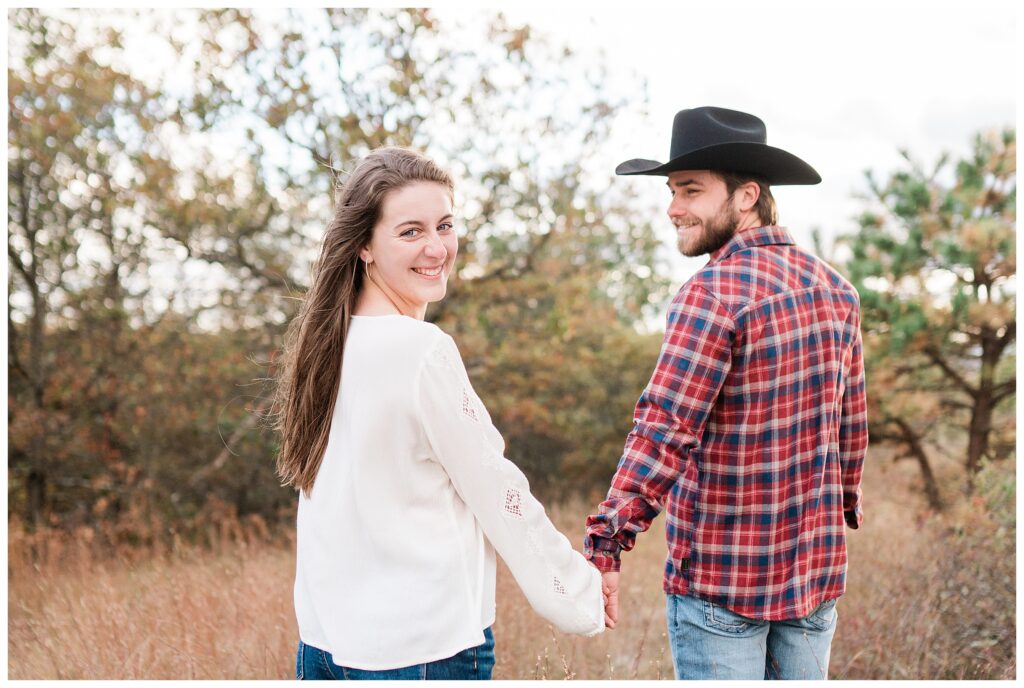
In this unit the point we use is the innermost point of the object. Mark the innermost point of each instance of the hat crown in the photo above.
(701, 127)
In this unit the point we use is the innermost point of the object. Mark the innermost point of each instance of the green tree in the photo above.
(160, 227)
(72, 258)
(536, 229)
(935, 263)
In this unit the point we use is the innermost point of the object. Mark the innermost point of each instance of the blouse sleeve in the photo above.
(559, 583)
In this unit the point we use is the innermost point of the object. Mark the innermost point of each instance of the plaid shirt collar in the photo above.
(754, 236)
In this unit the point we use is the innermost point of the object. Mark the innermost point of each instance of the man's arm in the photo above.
(668, 422)
(853, 431)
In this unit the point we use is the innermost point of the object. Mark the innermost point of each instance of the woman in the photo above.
(405, 492)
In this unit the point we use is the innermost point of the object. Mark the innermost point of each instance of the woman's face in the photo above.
(413, 247)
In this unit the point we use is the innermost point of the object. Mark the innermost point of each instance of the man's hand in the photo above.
(610, 590)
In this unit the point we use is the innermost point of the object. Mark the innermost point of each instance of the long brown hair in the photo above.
(307, 387)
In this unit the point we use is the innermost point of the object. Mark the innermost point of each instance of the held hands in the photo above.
(610, 590)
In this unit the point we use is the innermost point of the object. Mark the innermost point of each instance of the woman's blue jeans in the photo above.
(710, 642)
(476, 663)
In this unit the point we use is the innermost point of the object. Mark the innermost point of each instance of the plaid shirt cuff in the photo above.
(854, 517)
(605, 562)
(602, 553)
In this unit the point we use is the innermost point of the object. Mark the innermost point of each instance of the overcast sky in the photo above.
(843, 85)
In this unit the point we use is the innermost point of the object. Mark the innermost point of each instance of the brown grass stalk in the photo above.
(929, 596)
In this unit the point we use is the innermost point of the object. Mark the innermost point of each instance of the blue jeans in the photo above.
(476, 663)
(710, 642)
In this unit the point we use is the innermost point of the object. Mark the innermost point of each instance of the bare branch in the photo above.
(1003, 390)
(22, 270)
(247, 424)
(960, 382)
(1010, 334)
(13, 360)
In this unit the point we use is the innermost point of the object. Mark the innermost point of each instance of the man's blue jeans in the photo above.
(475, 663)
(711, 642)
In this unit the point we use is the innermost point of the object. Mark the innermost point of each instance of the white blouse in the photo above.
(395, 548)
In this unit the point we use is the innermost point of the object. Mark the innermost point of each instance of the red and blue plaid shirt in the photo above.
(752, 431)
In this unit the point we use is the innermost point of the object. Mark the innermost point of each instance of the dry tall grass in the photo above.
(928, 597)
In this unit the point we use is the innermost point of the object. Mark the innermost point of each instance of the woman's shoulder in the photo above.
(400, 332)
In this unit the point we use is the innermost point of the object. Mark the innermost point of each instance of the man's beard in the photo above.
(716, 232)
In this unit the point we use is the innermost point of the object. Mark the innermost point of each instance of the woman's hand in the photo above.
(610, 591)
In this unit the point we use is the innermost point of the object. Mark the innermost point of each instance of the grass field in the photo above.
(928, 597)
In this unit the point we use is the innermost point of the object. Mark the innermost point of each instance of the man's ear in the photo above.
(747, 195)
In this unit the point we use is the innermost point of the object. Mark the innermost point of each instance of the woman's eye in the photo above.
(411, 232)
(445, 227)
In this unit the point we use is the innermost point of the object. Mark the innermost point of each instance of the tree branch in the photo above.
(934, 355)
(247, 424)
(23, 193)
(1003, 390)
(510, 266)
(953, 403)
(1010, 334)
(13, 360)
(22, 270)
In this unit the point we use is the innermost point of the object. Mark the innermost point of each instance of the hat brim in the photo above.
(774, 165)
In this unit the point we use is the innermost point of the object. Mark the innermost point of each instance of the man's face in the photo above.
(702, 210)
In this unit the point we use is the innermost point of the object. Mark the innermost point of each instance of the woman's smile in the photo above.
(430, 273)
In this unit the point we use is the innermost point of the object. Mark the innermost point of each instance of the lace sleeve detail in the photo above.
(513, 503)
(559, 583)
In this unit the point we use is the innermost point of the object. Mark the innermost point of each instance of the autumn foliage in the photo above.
(162, 217)
(154, 267)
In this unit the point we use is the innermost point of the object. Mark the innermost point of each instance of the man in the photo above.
(753, 428)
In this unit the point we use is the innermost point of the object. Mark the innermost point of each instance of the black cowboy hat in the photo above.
(713, 138)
